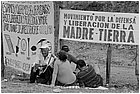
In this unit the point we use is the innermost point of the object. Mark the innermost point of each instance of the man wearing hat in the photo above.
(43, 66)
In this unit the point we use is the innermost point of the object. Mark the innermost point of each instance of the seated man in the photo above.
(87, 76)
(62, 74)
(70, 58)
(43, 67)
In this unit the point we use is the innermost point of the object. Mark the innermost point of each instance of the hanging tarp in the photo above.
(24, 24)
(99, 27)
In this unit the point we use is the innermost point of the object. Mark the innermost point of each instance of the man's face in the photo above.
(66, 50)
(45, 51)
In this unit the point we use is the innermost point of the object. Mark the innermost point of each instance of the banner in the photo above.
(99, 27)
(24, 24)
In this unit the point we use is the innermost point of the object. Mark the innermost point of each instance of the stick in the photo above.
(108, 63)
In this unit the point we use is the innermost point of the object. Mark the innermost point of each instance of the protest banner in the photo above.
(24, 24)
(99, 27)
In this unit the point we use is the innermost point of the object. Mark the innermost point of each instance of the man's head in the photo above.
(45, 50)
(65, 48)
(62, 56)
(81, 63)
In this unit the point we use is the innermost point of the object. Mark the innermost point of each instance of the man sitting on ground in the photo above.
(62, 74)
(88, 77)
(42, 69)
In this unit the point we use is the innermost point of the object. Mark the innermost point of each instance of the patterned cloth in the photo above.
(87, 77)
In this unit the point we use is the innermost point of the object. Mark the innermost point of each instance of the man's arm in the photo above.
(81, 83)
(53, 59)
(96, 68)
(71, 58)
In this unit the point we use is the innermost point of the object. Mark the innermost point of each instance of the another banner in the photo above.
(99, 27)
(24, 24)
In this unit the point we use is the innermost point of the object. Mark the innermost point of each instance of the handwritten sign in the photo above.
(24, 23)
(99, 27)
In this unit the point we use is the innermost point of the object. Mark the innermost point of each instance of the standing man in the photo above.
(43, 66)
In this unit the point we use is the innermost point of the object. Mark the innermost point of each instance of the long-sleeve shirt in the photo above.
(49, 60)
(88, 77)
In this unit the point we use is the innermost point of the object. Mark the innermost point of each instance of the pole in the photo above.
(2, 58)
(2, 52)
(56, 26)
(137, 65)
(108, 63)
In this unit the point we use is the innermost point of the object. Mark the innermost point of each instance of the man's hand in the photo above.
(35, 67)
(52, 85)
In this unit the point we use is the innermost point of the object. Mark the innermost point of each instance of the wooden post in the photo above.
(61, 43)
(2, 58)
(2, 52)
(108, 63)
(137, 65)
(56, 26)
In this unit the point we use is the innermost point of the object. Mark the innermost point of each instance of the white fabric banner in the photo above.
(99, 27)
(24, 24)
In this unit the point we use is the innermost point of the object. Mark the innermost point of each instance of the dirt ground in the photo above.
(122, 80)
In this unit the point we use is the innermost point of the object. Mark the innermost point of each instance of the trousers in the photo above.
(43, 78)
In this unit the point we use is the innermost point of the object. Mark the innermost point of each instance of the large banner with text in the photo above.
(24, 24)
(99, 27)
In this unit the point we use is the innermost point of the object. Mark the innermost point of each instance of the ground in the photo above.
(122, 80)
(122, 73)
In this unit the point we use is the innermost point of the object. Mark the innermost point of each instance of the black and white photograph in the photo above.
(69, 46)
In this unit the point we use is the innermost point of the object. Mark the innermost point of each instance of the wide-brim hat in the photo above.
(44, 46)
